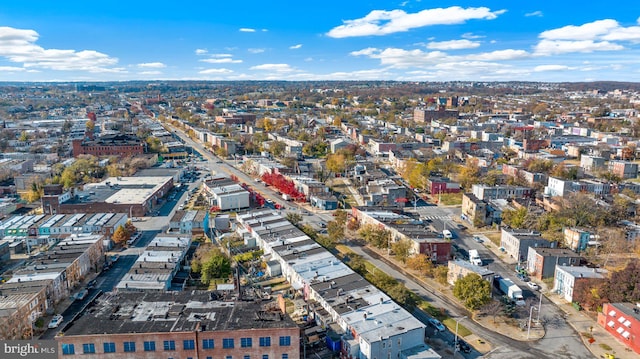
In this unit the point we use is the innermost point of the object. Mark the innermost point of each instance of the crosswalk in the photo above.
(445, 217)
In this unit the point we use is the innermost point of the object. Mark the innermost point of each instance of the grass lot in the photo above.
(494, 238)
(451, 199)
(451, 324)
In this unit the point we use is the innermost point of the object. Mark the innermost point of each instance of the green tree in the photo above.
(216, 266)
(335, 230)
(375, 236)
(473, 291)
(515, 218)
(402, 249)
(402, 295)
(294, 218)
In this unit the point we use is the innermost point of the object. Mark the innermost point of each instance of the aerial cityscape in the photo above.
(389, 180)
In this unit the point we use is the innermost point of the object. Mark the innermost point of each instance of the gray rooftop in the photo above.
(174, 312)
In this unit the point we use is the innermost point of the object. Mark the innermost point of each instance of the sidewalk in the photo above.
(585, 324)
(500, 326)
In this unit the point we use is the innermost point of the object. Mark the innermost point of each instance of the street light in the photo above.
(455, 341)
(529, 326)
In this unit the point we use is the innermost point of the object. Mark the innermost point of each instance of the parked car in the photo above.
(55, 322)
(523, 277)
(437, 324)
(478, 239)
(81, 294)
(533, 285)
(92, 283)
(462, 346)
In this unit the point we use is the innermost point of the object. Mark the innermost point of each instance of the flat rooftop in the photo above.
(174, 312)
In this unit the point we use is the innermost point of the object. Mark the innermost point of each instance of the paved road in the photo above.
(561, 340)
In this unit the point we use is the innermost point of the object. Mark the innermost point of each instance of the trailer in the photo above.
(512, 291)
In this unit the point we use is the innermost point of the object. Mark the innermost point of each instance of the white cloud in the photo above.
(256, 51)
(246, 29)
(215, 71)
(453, 45)
(273, 67)
(152, 65)
(18, 45)
(631, 34)
(400, 58)
(555, 47)
(542, 68)
(201, 51)
(534, 13)
(11, 69)
(294, 47)
(150, 73)
(588, 31)
(382, 22)
(471, 36)
(223, 60)
(500, 55)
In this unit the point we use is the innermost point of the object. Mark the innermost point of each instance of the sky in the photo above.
(549, 41)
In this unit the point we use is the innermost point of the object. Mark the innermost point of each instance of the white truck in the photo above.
(512, 291)
(474, 257)
(286, 197)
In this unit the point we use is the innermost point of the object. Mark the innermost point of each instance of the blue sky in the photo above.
(320, 40)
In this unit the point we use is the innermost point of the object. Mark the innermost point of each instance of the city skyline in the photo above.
(379, 40)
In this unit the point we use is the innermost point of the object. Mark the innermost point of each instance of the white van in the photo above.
(447, 234)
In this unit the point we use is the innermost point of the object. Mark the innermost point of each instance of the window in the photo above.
(188, 344)
(209, 357)
(109, 347)
(207, 344)
(68, 349)
(169, 345)
(228, 357)
(265, 356)
(285, 341)
(129, 346)
(246, 342)
(227, 343)
(247, 357)
(88, 348)
(265, 341)
(149, 346)
(285, 356)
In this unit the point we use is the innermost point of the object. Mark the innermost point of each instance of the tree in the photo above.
(469, 174)
(402, 295)
(402, 249)
(210, 263)
(421, 263)
(335, 230)
(473, 291)
(340, 216)
(356, 262)
(492, 308)
(375, 236)
(294, 218)
(440, 274)
(216, 266)
(120, 236)
(336, 162)
(515, 218)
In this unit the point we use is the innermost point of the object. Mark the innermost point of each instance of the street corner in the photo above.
(480, 345)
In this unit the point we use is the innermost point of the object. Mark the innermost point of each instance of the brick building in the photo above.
(622, 320)
(120, 145)
(181, 325)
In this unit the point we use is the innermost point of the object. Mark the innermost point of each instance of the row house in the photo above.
(485, 192)
(367, 320)
(459, 269)
(516, 242)
(622, 321)
(574, 283)
(542, 262)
